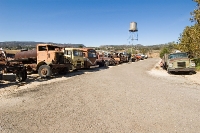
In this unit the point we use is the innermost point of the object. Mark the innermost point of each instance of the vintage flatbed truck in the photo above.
(46, 59)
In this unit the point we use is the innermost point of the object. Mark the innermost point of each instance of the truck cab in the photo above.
(90, 58)
(75, 57)
(179, 62)
(46, 59)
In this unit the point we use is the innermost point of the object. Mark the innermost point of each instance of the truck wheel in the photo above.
(191, 73)
(106, 64)
(113, 63)
(24, 77)
(21, 76)
(102, 63)
(44, 71)
(169, 72)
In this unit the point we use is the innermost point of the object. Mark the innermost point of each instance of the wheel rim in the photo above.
(19, 77)
(44, 71)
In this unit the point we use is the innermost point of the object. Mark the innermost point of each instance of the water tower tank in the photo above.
(133, 27)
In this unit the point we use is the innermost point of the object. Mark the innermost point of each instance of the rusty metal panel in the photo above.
(26, 54)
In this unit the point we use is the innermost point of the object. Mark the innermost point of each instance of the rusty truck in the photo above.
(104, 59)
(90, 57)
(46, 59)
(12, 66)
(178, 62)
(75, 57)
(119, 57)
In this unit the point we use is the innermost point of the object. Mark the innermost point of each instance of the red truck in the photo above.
(90, 57)
(104, 59)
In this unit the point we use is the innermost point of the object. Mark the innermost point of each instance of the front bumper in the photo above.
(94, 66)
(181, 69)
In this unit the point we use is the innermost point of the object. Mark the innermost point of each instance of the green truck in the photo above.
(178, 62)
(75, 57)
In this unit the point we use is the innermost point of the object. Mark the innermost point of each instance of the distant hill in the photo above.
(137, 46)
(32, 44)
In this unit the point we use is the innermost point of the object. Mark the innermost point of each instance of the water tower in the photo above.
(133, 27)
(132, 30)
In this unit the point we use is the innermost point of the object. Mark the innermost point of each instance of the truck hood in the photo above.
(179, 59)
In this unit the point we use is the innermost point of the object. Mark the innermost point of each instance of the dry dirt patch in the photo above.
(33, 81)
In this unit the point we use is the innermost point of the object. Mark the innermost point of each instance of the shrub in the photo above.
(197, 63)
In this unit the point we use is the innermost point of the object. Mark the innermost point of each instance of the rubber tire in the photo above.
(191, 73)
(46, 69)
(24, 75)
(169, 72)
(106, 64)
(21, 76)
(113, 63)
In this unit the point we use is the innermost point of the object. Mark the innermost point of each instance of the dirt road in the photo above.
(121, 99)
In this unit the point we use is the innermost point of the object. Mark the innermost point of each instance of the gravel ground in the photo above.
(126, 98)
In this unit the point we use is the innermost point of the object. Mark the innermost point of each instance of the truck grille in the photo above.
(181, 64)
(78, 62)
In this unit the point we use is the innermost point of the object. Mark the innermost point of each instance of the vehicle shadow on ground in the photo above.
(34, 77)
(182, 73)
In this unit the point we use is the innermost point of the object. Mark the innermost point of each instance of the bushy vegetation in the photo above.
(197, 62)
(189, 40)
(168, 48)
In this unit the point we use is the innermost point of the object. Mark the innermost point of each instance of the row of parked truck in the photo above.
(48, 59)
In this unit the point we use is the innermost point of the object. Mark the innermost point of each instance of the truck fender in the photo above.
(40, 64)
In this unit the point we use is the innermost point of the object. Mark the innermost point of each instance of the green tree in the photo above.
(196, 13)
(164, 50)
(189, 40)
(144, 50)
(80, 46)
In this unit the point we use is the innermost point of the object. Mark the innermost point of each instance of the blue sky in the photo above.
(94, 22)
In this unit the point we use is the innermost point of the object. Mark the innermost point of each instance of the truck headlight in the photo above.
(170, 64)
(192, 64)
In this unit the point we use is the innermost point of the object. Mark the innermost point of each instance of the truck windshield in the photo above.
(52, 47)
(77, 53)
(92, 54)
(178, 55)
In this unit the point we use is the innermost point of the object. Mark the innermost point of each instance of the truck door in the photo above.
(42, 54)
